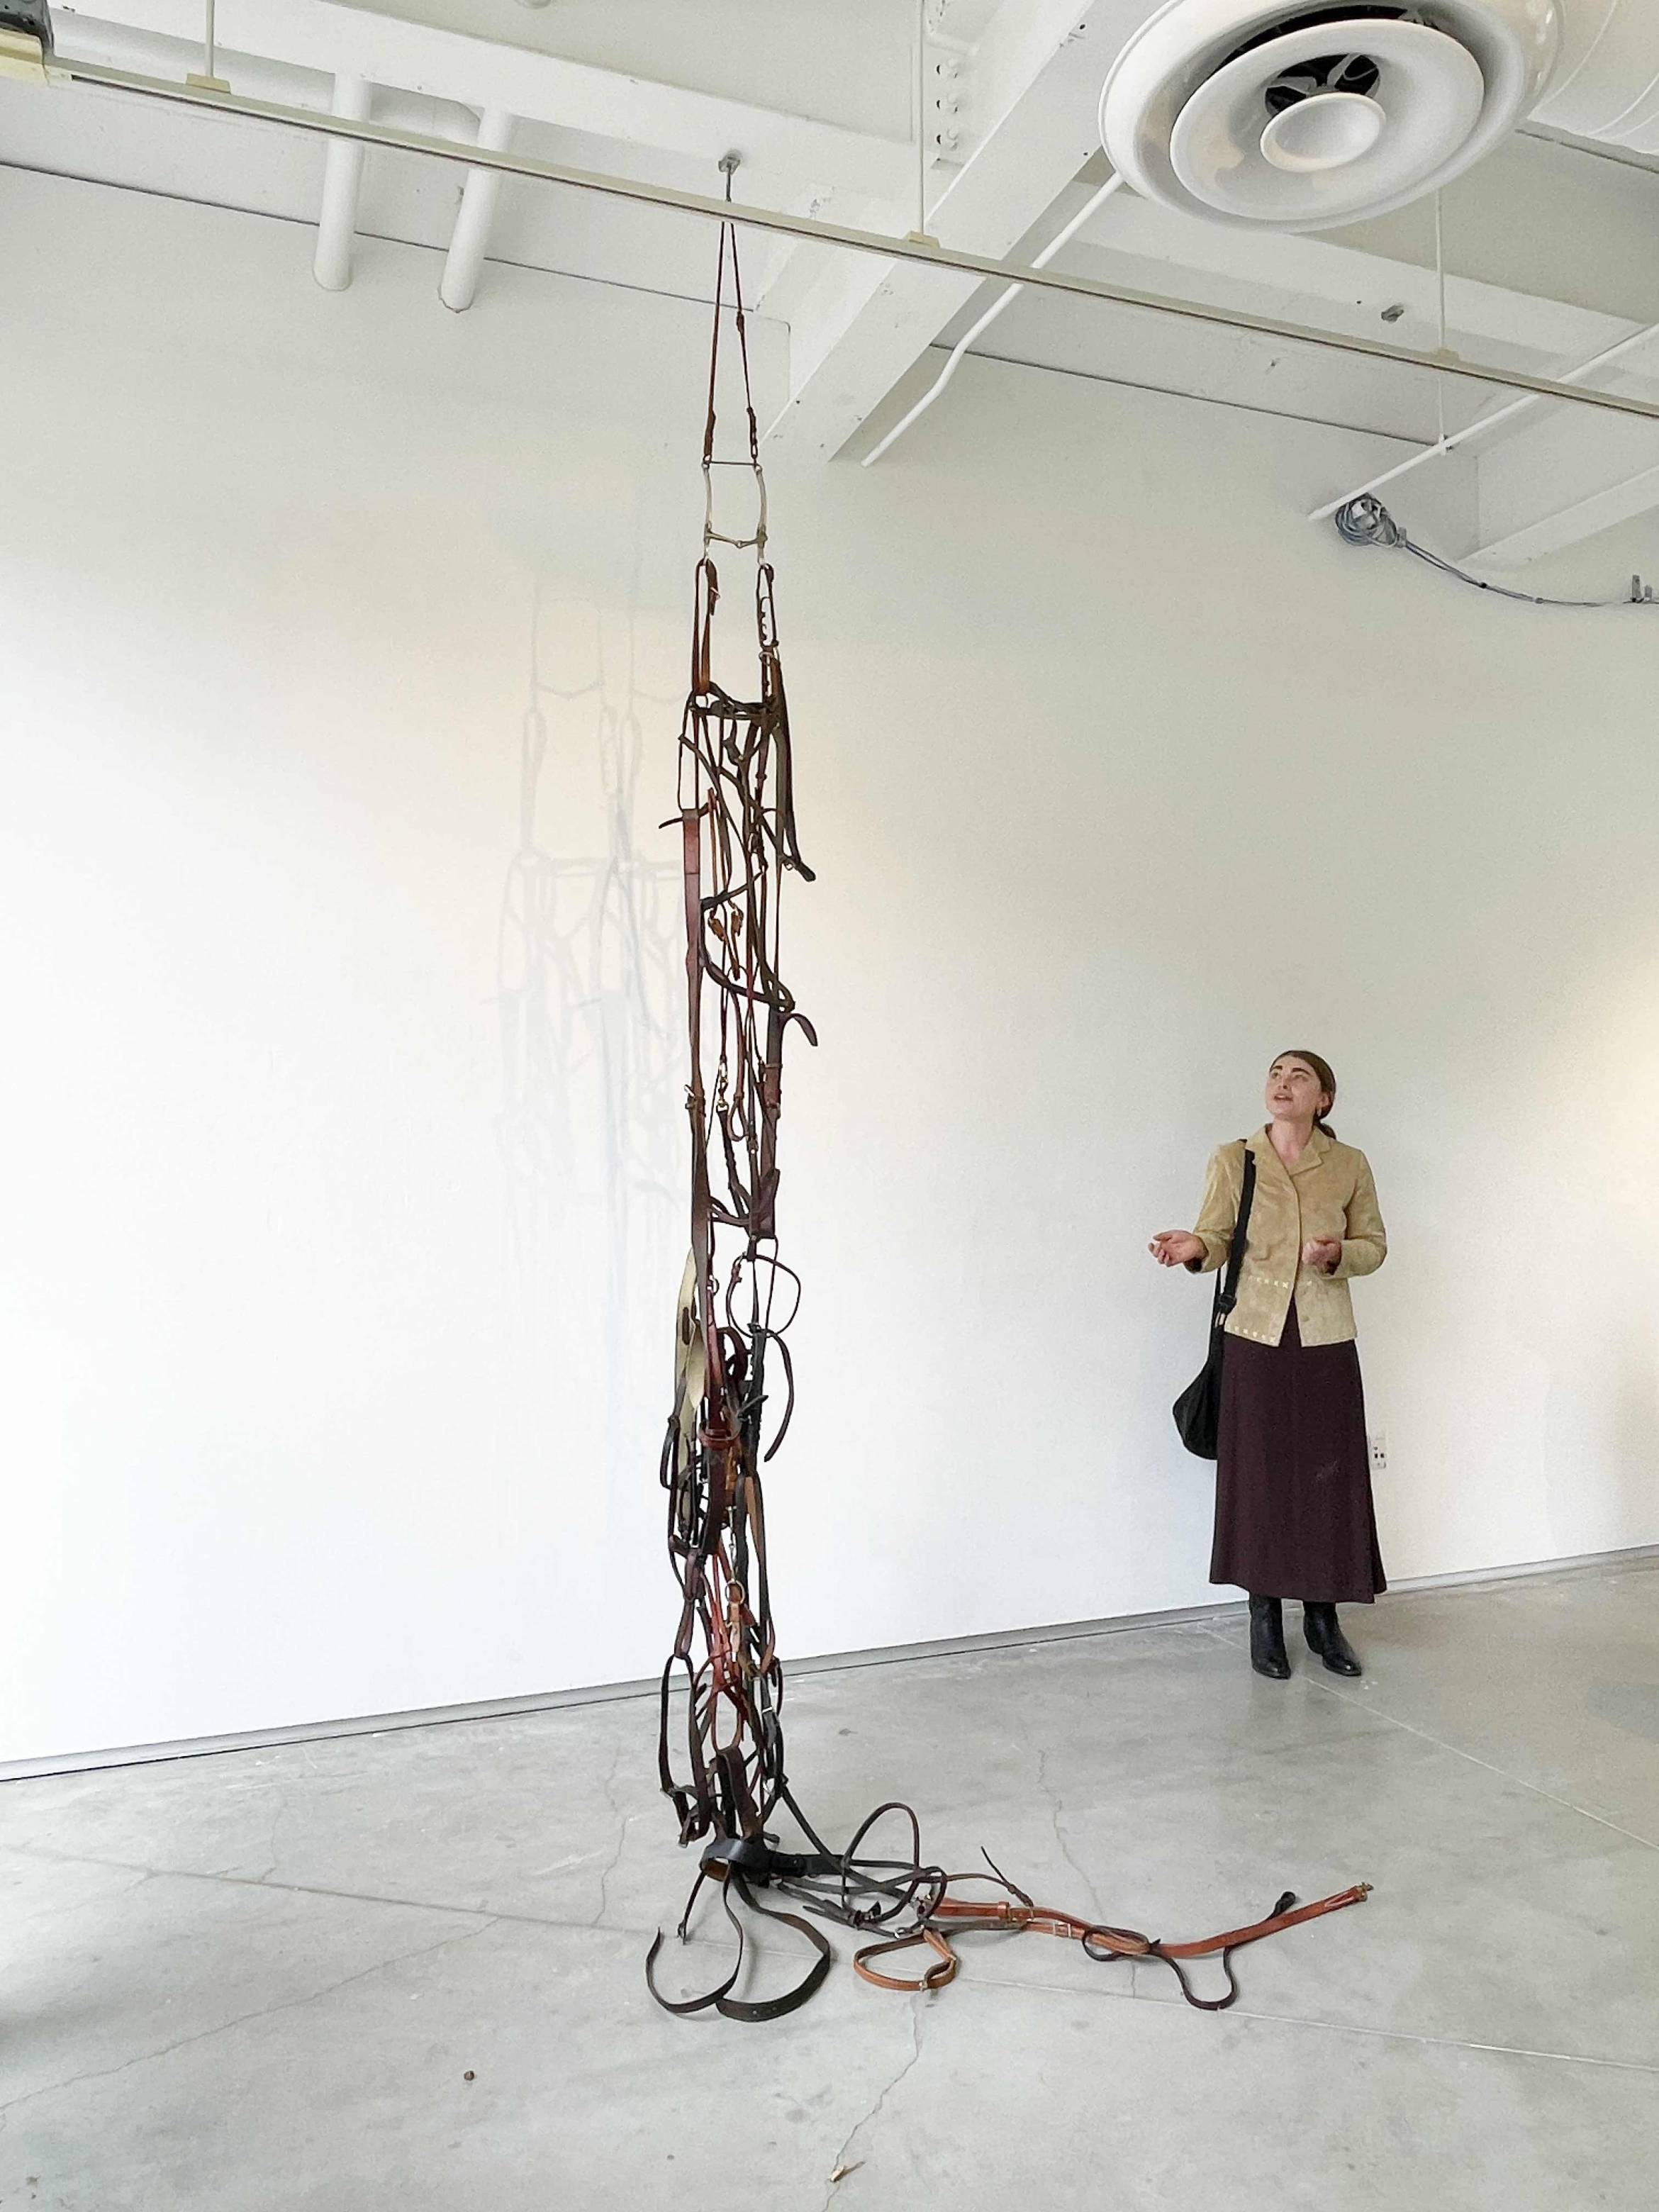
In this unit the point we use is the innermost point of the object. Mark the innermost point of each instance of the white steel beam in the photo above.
(1036, 76)
(1571, 525)
(920, 253)
(1561, 483)
(338, 40)
(1484, 425)
(1291, 272)
(998, 307)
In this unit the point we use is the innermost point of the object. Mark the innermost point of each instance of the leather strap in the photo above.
(965, 1915)
(722, 1688)
(1226, 1289)
(720, 1997)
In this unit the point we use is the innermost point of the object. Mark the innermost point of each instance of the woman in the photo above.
(1293, 1513)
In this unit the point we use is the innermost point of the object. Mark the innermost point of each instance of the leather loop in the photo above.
(943, 1970)
(738, 842)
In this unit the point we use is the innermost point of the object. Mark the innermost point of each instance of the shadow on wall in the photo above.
(589, 961)
(1591, 1252)
(1599, 1423)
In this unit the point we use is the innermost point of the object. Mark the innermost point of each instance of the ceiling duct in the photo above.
(1606, 84)
(1268, 115)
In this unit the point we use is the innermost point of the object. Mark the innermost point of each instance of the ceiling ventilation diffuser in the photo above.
(1268, 115)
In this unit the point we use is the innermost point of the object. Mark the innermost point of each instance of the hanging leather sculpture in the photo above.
(738, 842)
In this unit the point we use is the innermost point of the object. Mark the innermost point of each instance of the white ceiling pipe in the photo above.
(336, 224)
(1002, 300)
(1443, 446)
(463, 267)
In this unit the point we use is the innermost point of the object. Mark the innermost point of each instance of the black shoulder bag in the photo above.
(1198, 1409)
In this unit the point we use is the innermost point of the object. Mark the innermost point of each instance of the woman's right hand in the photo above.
(1178, 1248)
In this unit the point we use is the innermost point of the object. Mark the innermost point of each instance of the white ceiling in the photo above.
(1550, 248)
(846, 63)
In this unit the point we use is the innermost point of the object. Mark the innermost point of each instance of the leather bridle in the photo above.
(738, 841)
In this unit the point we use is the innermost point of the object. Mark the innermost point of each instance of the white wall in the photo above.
(342, 1212)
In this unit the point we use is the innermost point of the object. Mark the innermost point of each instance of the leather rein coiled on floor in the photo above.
(738, 841)
(963, 1916)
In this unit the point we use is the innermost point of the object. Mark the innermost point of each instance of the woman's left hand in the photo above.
(1321, 1252)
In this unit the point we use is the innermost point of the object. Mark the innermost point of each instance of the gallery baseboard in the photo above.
(602, 1693)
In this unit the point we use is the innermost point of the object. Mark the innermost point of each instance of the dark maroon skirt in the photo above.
(1293, 1511)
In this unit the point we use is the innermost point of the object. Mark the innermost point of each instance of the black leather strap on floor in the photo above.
(720, 1997)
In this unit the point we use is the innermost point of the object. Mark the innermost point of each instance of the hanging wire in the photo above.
(730, 164)
(921, 118)
(1364, 519)
(1366, 522)
(1440, 287)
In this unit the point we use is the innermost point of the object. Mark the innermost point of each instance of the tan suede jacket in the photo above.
(1328, 1193)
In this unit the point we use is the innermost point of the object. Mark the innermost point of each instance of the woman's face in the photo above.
(1293, 1093)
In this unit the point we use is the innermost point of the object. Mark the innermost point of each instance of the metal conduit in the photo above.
(1444, 445)
(1002, 300)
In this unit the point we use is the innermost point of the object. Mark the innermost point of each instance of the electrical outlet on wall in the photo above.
(1378, 1440)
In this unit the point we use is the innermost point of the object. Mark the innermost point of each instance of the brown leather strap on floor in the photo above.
(944, 1969)
(1017, 1914)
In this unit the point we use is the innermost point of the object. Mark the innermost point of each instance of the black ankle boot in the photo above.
(1326, 1640)
(1267, 1639)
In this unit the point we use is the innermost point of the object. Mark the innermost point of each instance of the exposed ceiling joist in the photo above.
(921, 253)
(1348, 287)
(336, 40)
(1029, 72)
(1572, 524)
(1310, 280)
(1036, 80)
(1560, 482)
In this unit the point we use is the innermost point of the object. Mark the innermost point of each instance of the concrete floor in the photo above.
(261, 1978)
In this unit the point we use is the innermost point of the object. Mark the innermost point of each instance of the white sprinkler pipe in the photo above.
(1002, 300)
(1441, 446)
(336, 222)
(459, 286)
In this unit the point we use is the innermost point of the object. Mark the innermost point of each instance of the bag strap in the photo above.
(1226, 1289)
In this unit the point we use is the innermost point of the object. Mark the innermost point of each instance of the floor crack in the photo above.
(324, 1889)
(276, 1819)
(842, 2167)
(260, 2012)
(1056, 1808)
(623, 1822)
